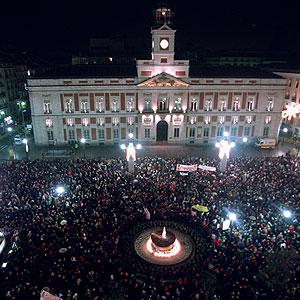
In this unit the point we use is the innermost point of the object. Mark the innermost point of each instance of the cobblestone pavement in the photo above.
(114, 151)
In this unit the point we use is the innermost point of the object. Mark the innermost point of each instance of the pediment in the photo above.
(163, 80)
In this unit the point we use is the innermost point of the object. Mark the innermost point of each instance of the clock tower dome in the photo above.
(163, 37)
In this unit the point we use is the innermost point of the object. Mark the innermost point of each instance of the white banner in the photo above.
(47, 296)
(207, 168)
(186, 168)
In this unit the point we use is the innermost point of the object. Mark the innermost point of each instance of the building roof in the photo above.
(90, 71)
(198, 71)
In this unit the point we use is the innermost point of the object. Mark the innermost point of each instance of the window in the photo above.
(84, 106)
(290, 82)
(49, 122)
(266, 132)
(247, 131)
(177, 103)
(116, 133)
(115, 121)
(233, 131)
(235, 119)
(71, 134)
(192, 132)
(221, 119)
(297, 83)
(206, 132)
(101, 134)
(207, 119)
(147, 133)
(268, 119)
(130, 130)
(50, 135)
(163, 60)
(250, 104)
(148, 103)
(236, 104)
(100, 121)
(130, 120)
(194, 106)
(222, 104)
(162, 103)
(193, 120)
(100, 104)
(115, 104)
(86, 134)
(270, 104)
(69, 106)
(208, 104)
(130, 102)
(70, 122)
(85, 121)
(248, 119)
(220, 131)
(47, 107)
(176, 132)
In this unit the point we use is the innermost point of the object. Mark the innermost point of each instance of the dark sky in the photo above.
(214, 24)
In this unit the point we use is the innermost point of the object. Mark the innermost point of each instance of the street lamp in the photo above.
(130, 152)
(25, 142)
(60, 190)
(285, 130)
(245, 139)
(232, 216)
(224, 151)
(9, 129)
(287, 213)
(83, 141)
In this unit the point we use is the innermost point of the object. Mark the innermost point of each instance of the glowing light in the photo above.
(285, 130)
(164, 233)
(83, 140)
(224, 147)
(9, 129)
(60, 190)
(287, 213)
(123, 147)
(25, 141)
(292, 109)
(164, 254)
(130, 152)
(245, 140)
(226, 133)
(232, 216)
(130, 135)
(138, 146)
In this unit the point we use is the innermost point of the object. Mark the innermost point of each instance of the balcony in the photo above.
(48, 112)
(69, 111)
(85, 111)
(148, 111)
(100, 111)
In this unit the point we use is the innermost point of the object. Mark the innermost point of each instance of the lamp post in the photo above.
(285, 130)
(130, 152)
(83, 141)
(224, 151)
(25, 142)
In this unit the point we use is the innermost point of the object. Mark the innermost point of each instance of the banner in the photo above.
(200, 208)
(186, 168)
(207, 168)
(47, 296)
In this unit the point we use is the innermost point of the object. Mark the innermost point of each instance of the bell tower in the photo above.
(163, 36)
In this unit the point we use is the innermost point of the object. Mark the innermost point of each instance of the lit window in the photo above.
(208, 104)
(147, 104)
(207, 119)
(248, 119)
(177, 103)
(222, 104)
(193, 120)
(268, 119)
(130, 104)
(221, 119)
(236, 104)
(85, 121)
(100, 121)
(130, 120)
(100, 104)
(49, 122)
(235, 119)
(47, 107)
(69, 106)
(270, 104)
(194, 104)
(162, 103)
(84, 106)
(115, 121)
(115, 104)
(250, 104)
(70, 122)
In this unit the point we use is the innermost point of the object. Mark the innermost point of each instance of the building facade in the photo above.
(162, 99)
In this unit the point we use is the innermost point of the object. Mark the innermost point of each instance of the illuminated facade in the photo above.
(159, 100)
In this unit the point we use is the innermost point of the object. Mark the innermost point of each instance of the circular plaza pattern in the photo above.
(183, 250)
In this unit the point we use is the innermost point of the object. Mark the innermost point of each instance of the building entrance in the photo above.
(162, 131)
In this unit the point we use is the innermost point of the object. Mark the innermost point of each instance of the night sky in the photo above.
(219, 24)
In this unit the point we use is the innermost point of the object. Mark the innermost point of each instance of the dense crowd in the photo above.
(72, 242)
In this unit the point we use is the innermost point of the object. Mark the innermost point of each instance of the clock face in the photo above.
(164, 44)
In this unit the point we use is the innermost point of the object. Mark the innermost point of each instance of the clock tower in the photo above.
(163, 37)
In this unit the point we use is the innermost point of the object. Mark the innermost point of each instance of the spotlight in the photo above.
(123, 146)
(138, 146)
(232, 216)
(60, 190)
(287, 213)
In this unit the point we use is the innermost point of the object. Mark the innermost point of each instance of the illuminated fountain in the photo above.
(163, 244)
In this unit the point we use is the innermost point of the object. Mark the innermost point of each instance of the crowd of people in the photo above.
(73, 242)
